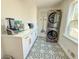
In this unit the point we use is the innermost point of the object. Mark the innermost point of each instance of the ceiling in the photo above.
(47, 3)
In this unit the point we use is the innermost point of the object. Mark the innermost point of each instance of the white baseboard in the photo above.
(65, 50)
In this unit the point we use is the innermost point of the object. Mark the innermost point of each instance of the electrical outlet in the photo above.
(71, 53)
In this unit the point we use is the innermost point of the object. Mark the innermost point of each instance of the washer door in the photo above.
(52, 35)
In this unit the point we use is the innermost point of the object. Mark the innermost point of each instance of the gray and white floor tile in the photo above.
(46, 50)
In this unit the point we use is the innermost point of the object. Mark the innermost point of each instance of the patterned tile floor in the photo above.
(46, 50)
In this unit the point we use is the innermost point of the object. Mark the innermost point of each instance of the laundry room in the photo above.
(39, 29)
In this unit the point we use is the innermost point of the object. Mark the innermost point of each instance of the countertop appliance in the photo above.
(31, 26)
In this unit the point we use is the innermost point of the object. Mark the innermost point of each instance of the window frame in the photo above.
(70, 16)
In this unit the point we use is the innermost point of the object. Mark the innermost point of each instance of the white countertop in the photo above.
(20, 34)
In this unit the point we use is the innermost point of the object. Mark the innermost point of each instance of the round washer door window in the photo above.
(52, 34)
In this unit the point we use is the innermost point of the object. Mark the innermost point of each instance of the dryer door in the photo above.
(52, 35)
(51, 17)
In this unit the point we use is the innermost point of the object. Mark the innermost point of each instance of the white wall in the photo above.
(68, 45)
(23, 9)
(40, 15)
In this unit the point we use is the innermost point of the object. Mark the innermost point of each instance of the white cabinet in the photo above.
(26, 41)
(17, 46)
(33, 36)
(12, 46)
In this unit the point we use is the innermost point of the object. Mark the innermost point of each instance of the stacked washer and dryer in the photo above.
(53, 25)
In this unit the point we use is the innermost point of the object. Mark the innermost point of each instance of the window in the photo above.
(72, 23)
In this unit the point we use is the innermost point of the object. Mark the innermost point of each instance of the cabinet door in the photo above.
(33, 36)
(26, 45)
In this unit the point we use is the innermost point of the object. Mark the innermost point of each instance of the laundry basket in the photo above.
(8, 57)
